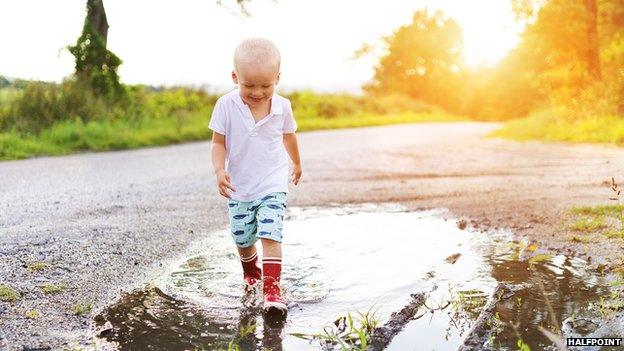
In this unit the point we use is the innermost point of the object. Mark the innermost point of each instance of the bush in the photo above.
(53, 119)
(307, 104)
(41, 105)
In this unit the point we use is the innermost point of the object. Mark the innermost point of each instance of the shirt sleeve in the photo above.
(217, 121)
(290, 125)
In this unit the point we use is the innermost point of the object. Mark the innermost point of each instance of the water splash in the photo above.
(339, 260)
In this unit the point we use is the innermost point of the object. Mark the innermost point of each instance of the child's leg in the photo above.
(270, 223)
(270, 248)
(249, 260)
(271, 274)
(271, 262)
(243, 228)
(246, 252)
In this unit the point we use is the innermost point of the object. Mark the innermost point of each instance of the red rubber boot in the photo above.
(251, 272)
(272, 268)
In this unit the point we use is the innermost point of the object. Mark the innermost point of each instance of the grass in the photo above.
(543, 126)
(52, 289)
(369, 120)
(82, 308)
(103, 135)
(44, 118)
(614, 234)
(599, 210)
(8, 294)
(347, 333)
(605, 219)
(32, 314)
(613, 303)
(37, 266)
(582, 239)
(71, 136)
(589, 224)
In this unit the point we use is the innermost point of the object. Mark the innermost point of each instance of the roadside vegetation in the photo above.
(574, 89)
(8, 294)
(52, 119)
(591, 222)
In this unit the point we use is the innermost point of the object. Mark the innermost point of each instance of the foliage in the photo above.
(307, 104)
(41, 105)
(52, 119)
(552, 125)
(347, 333)
(96, 64)
(4, 82)
(423, 61)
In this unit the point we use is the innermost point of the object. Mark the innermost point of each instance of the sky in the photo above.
(190, 42)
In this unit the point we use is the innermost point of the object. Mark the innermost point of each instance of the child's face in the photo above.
(256, 82)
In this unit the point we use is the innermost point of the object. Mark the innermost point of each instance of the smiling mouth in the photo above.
(256, 99)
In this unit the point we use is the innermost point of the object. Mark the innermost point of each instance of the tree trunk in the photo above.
(97, 17)
(593, 44)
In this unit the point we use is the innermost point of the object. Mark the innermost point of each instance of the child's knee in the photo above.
(270, 242)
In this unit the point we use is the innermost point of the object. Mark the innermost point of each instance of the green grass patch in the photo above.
(583, 239)
(42, 118)
(589, 224)
(547, 126)
(606, 219)
(600, 210)
(347, 332)
(614, 234)
(37, 266)
(103, 135)
(369, 120)
(52, 289)
(72, 136)
(8, 294)
(82, 308)
(32, 314)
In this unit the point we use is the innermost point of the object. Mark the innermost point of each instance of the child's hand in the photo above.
(296, 173)
(224, 183)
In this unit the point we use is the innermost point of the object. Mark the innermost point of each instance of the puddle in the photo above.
(345, 260)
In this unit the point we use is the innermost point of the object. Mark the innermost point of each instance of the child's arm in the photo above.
(218, 163)
(290, 143)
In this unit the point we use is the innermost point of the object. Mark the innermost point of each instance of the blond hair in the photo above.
(258, 51)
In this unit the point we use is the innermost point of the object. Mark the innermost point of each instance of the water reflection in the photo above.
(151, 320)
(342, 261)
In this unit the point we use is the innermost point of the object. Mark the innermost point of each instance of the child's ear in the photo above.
(278, 77)
(234, 77)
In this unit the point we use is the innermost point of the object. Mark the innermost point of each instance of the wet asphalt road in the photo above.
(105, 222)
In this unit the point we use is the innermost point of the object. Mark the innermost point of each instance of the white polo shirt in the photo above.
(256, 159)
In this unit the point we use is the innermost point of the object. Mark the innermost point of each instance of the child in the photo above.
(254, 129)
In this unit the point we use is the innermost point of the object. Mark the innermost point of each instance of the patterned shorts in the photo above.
(258, 219)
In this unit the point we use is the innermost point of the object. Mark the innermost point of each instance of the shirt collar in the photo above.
(276, 107)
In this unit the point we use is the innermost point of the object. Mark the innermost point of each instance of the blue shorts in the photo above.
(258, 219)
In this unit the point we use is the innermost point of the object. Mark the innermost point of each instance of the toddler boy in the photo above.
(253, 136)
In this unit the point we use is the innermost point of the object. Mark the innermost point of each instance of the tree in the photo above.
(4, 82)
(94, 62)
(593, 44)
(423, 61)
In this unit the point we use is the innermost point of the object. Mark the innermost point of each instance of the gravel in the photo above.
(106, 223)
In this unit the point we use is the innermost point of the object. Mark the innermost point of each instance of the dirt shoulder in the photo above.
(104, 223)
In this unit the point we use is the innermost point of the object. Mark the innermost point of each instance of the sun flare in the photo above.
(488, 27)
